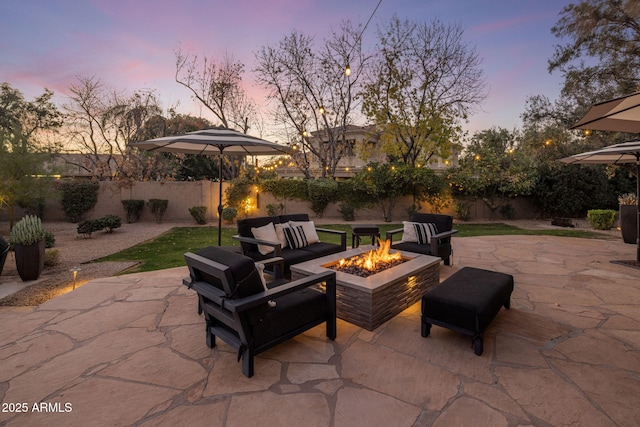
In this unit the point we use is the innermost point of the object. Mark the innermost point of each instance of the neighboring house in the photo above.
(352, 163)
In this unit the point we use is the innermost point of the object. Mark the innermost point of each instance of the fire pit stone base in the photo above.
(369, 302)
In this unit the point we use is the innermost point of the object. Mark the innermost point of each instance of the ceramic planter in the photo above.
(30, 260)
(629, 223)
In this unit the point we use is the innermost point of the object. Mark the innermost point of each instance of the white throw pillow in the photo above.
(266, 233)
(309, 229)
(409, 232)
(280, 233)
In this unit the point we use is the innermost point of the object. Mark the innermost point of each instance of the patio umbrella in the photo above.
(617, 115)
(625, 153)
(214, 141)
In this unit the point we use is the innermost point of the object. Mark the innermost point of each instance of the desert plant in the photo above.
(78, 197)
(51, 257)
(229, 213)
(133, 209)
(49, 239)
(158, 207)
(601, 219)
(628, 199)
(199, 214)
(27, 231)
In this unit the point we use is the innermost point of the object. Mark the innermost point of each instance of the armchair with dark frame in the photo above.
(439, 242)
(251, 315)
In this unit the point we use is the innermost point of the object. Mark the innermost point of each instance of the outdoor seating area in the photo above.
(264, 237)
(129, 350)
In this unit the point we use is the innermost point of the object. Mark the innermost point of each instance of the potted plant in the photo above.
(628, 215)
(28, 240)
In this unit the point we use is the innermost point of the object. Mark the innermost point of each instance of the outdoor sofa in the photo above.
(260, 239)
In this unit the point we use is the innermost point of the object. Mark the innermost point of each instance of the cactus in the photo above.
(27, 231)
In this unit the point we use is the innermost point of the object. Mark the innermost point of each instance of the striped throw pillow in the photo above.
(295, 237)
(424, 231)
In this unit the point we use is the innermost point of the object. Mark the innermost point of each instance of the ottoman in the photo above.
(467, 302)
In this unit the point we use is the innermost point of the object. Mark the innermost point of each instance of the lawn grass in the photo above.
(166, 251)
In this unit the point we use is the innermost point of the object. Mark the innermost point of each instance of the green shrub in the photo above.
(158, 207)
(51, 257)
(133, 209)
(321, 193)
(238, 192)
(462, 210)
(199, 214)
(347, 211)
(49, 239)
(107, 223)
(111, 222)
(601, 219)
(78, 197)
(273, 210)
(507, 211)
(89, 226)
(229, 213)
(27, 231)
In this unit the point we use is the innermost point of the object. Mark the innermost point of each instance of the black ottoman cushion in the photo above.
(467, 302)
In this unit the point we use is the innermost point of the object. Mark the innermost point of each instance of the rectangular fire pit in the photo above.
(371, 301)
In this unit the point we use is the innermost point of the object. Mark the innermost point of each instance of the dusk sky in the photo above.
(130, 44)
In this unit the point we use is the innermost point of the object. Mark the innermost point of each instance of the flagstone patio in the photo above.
(130, 350)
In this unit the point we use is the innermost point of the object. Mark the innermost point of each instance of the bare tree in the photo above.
(312, 93)
(423, 81)
(218, 86)
(101, 122)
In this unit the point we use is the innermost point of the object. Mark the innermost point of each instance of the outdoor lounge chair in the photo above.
(438, 243)
(252, 316)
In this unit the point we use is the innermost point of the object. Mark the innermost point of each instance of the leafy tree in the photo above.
(493, 168)
(601, 58)
(384, 183)
(24, 128)
(421, 83)
(312, 94)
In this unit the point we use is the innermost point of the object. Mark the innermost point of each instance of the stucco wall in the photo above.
(184, 195)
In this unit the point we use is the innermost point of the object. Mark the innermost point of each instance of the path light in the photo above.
(75, 275)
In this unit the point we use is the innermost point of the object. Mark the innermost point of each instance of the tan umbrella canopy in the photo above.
(625, 153)
(617, 115)
(214, 141)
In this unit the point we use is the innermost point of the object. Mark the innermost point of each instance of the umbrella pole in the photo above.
(638, 209)
(220, 202)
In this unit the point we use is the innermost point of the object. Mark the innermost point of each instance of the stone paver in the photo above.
(130, 350)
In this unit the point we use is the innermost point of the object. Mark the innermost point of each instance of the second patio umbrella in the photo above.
(625, 153)
(616, 115)
(216, 141)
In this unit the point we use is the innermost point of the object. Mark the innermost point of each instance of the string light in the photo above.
(347, 70)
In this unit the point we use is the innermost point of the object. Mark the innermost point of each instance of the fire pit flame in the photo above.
(371, 262)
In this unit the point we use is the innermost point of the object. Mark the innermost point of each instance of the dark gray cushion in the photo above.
(246, 278)
(469, 299)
